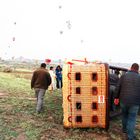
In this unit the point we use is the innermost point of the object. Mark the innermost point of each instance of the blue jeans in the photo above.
(129, 113)
(39, 93)
(58, 83)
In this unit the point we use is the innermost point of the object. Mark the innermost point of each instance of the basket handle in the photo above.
(69, 98)
(68, 75)
(70, 118)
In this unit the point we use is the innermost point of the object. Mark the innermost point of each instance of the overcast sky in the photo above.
(106, 30)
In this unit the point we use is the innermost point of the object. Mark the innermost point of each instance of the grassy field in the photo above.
(19, 121)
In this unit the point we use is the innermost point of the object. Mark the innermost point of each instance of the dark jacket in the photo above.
(58, 73)
(114, 78)
(41, 79)
(128, 88)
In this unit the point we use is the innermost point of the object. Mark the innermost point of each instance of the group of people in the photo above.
(43, 79)
(56, 77)
(126, 92)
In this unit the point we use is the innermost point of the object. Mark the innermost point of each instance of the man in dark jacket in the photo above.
(128, 90)
(40, 81)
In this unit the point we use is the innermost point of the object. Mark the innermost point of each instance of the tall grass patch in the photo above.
(15, 86)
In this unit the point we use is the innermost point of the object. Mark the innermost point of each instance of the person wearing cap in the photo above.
(128, 93)
(40, 81)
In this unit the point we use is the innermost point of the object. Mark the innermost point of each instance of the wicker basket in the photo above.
(85, 93)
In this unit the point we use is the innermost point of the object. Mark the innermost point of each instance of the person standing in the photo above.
(114, 78)
(53, 77)
(40, 81)
(58, 72)
(128, 92)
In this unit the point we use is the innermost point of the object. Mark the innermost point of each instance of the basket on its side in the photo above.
(85, 95)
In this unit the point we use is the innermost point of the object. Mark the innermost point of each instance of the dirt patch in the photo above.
(3, 94)
(25, 98)
(21, 136)
(6, 95)
(53, 134)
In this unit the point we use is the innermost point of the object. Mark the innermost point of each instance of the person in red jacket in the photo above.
(40, 81)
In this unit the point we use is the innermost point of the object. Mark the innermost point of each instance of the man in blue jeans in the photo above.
(40, 81)
(128, 91)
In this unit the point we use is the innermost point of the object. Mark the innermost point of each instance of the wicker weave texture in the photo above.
(84, 95)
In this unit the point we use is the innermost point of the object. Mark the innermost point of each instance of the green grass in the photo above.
(15, 86)
(18, 118)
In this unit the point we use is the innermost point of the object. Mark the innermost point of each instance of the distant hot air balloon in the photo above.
(68, 24)
(61, 32)
(13, 38)
(60, 6)
(48, 61)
